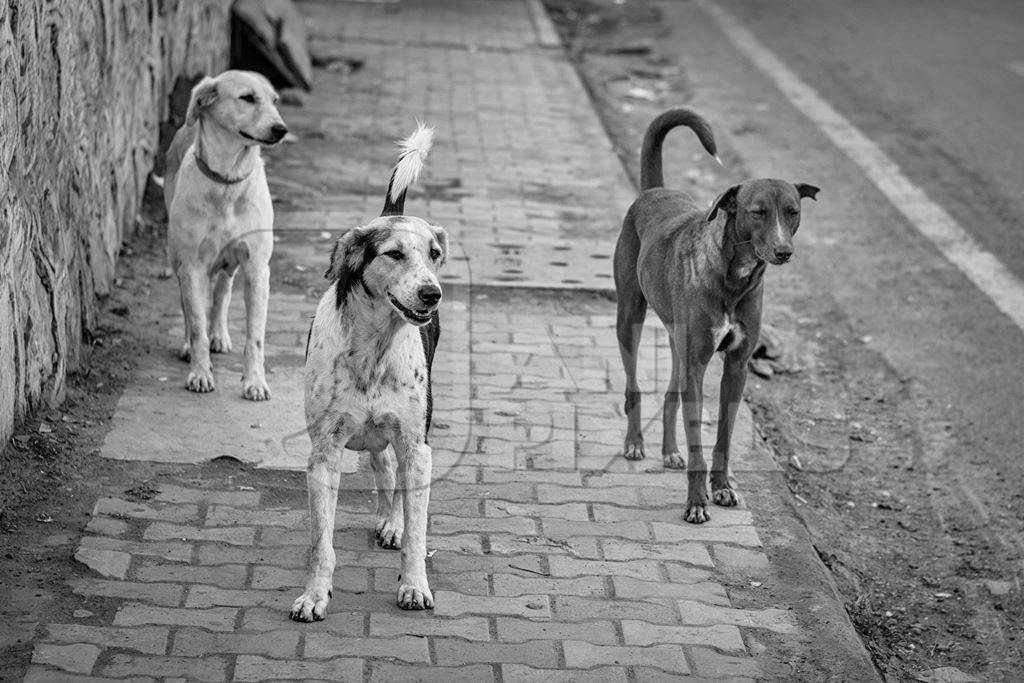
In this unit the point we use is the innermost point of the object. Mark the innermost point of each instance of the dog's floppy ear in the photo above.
(442, 239)
(726, 202)
(351, 253)
(203, 95)
(806, 190)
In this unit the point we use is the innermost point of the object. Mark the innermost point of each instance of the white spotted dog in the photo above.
(368, 362)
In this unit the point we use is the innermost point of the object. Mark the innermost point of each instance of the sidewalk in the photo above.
(552, 558)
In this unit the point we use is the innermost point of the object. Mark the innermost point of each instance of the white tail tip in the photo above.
(413, 154)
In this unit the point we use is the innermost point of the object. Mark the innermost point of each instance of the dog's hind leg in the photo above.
(257, 292)
(195, 296)
(390, 516)
(669, 446)
(220, 339)
(323, 476)
(629, 325)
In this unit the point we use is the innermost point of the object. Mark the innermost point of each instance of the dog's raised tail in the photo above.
(650, 154)
(414, 150)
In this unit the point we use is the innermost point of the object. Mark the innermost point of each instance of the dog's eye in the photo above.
(248, 97)
(395, 254)
(792, 211)
(760, 213)
(435, 254)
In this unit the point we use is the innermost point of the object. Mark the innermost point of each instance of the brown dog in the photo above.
(702, 273)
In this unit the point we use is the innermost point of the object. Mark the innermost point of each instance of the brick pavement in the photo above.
(551, 557)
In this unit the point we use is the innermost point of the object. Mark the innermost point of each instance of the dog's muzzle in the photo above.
(419, 316)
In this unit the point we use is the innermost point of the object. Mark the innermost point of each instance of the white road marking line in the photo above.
(982, 268)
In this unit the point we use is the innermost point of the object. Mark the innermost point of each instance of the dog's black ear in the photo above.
(806, 190)
(726, 202)
(442, 239)
(203, 95)
(351, 254)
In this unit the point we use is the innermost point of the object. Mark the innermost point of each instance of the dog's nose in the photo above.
(278, 131)
(783, 253)
(429, 294)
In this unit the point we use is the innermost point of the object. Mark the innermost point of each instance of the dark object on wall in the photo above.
(268, 36)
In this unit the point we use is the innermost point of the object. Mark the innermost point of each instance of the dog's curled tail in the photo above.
(414, 150)
(650, 154)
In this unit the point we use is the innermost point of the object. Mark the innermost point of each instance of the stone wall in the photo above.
(83, 88)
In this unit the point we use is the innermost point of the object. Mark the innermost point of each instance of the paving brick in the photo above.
(698, 614)
(721, 516)
(165, 512)
(178, 494)
(338, 620)
(520, 673)
(548, 477)
(512, 630)
(557, 528)
(578, 546)
(348, 579)
(456, 604)
(161, 531)
(707, 662)
(518, 492)
(705, 533)
(579, 608)
(387, 672)
(562, 565)
(168, 594)
(210, 596)
(146, 639)
(194, 642)
(225, 515)
(459, 507)
(447, 524)
(470, 628)
(455, 651)
(206, 669)
(514, 584)
(470, 583)
(227, 575)
(704, 591)
(693, 553)
(723, 637)
(551, 493)
(77, 658)
(44, 674)
(500, 508)
(731, 558)
(110, 564)
(442, 562)
(406, 648)
(170, 551)
(214, 619)
(584, 655)
(107, 526)
(675, 481)
(253, 668)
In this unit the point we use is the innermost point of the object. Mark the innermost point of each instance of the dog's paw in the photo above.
(255, 389)
(415, 595)
(725, 497)
(389, 534)
(634, 450)
(200, 381)
(312, 604)
(673, 461)
(220, 342)
(697, 513)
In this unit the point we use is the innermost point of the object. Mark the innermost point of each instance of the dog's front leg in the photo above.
(669, 446)
(323, 476)
(697, 466)
(734, 377)
(257, 291)
(414, 462)
(390, 516)
(195, 295)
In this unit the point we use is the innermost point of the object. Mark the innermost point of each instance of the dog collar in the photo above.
(213, 175)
